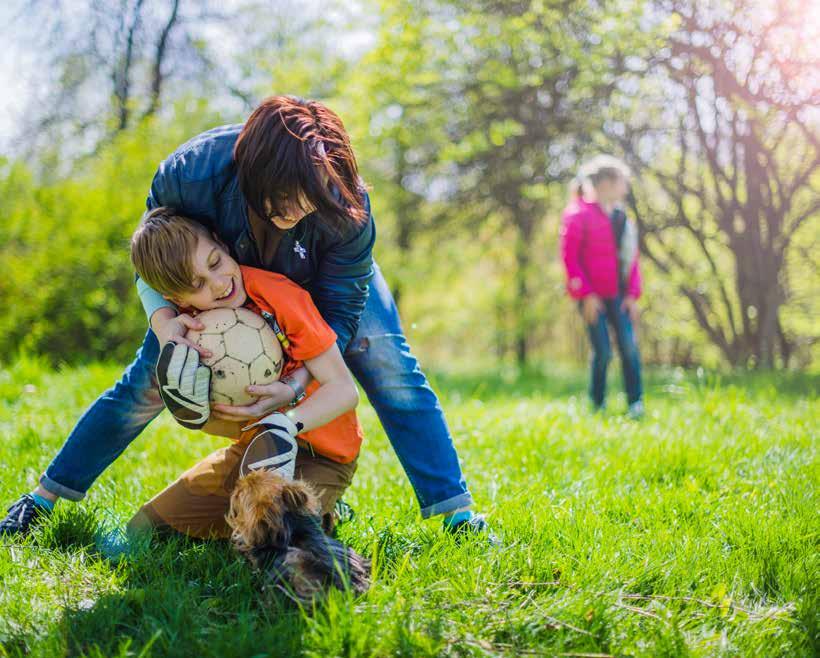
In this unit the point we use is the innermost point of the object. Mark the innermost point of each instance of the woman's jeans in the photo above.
(602, 353)
(378, 356)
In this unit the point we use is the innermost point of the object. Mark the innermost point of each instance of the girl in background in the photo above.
(599, 247)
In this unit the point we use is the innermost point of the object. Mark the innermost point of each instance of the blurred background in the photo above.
(468, 118)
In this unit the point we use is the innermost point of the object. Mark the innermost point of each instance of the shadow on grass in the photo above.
(563, 382)
(185, 598)
(180, 597)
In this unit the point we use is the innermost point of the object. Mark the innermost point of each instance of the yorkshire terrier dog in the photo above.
(277, 525)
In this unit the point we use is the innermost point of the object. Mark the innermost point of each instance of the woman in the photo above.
(599, 247)
(283, 193)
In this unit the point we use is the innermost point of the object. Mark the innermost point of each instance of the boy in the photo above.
(316, 440)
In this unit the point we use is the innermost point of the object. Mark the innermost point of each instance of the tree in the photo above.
(525, 85)
(100, 67)
(401, 130)
(733, 154)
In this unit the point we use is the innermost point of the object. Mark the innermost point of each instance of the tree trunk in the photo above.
(521, 304)
(159, 57)
(406, 217)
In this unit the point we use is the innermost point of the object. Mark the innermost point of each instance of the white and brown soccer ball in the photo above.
(245, 352)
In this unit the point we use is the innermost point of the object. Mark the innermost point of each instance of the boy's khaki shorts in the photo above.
(196, 504)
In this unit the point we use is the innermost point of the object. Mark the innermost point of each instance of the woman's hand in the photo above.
(271, 397)
(630, 307)
(591, 308)
(175, 327)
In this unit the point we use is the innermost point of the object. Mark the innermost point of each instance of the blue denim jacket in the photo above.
(199, 180)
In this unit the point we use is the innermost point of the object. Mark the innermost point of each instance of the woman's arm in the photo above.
(336, 394)
(342, 280)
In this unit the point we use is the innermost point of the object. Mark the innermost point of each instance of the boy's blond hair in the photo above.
(162, 250)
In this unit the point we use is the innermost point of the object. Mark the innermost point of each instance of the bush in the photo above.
(66, 280)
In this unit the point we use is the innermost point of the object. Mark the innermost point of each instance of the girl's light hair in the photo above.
(593, 171)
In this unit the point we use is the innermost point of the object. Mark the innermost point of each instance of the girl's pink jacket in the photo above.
(590, 254)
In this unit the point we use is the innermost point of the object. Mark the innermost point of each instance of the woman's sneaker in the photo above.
(469, 524)
(22, 516)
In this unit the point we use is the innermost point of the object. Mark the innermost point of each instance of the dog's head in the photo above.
(276, 525)
(259, 503)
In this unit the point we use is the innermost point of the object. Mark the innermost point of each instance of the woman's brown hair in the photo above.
(290, 147)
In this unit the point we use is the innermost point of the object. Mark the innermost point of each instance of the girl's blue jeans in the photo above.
(602, 353)
(379, 358)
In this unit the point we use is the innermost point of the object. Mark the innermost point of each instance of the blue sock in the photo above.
(457, 517)
(43, 502)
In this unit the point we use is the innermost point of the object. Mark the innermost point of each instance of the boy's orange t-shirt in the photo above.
(309, 336)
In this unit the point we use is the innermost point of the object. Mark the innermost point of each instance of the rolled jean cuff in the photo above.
(462, 500)
(60, 490)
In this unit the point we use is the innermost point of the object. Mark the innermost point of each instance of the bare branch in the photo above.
(122, 77)
(159, 57)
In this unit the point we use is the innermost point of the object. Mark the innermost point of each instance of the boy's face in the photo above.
(217, 279)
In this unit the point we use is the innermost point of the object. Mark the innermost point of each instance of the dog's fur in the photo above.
(276, 524)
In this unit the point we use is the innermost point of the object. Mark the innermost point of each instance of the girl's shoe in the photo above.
(636, 410)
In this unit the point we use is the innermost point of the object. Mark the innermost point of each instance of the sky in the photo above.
(21, 82)
(16, 78)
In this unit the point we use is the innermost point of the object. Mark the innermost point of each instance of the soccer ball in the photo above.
(245, 352)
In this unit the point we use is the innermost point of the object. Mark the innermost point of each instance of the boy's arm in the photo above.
(274, 447)
(152, 301)
(337, 393)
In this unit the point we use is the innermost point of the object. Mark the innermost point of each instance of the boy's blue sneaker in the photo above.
(116, 544)
(343, 512)
(113, 545)
(23, 515)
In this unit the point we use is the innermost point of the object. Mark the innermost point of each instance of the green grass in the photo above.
(692, 533)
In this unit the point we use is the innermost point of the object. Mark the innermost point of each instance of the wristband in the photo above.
(296, 387)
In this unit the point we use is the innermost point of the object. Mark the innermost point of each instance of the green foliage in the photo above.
(66, 280)
(468, 119)
(692, 533)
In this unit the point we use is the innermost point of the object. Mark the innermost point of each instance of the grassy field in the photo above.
(691, 533)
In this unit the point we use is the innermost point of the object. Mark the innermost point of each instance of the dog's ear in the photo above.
(297, 497)
(249, 506)
(294, 498)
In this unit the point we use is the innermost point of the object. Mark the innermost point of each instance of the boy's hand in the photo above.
(274, 448)
(175, 328)
(184, 385)
(271, 397)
